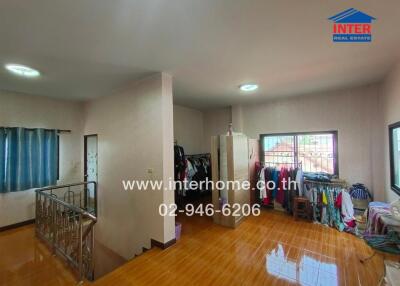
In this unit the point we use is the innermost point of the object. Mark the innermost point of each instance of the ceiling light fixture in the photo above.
(22, 70)
(248, 87)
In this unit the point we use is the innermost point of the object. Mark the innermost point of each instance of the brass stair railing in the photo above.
(67, 224)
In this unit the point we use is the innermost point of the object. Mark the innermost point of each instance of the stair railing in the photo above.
(68, 227)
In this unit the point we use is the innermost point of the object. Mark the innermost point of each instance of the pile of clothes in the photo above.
(383, 227)
(319, 177)
(360, 196)
(360, 192)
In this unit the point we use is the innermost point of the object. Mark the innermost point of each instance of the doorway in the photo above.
(90, 167)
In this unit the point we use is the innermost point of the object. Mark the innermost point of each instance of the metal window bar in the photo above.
(321, 157)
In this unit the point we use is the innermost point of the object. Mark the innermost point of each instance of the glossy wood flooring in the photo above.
(271, 249)
(24, 260)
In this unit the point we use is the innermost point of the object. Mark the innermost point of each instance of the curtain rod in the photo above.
(47, 129)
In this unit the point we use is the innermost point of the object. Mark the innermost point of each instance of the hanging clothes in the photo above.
(347, 207)
(190, 170)
(324, 199)
(300, 181)
(262, 185)
(179, 162)
(275, 179)
(277, 185)
(327, 202)
(283, 179)
(266, 174)
(198, 169)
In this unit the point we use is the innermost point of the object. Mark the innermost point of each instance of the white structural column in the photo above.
(168, 153)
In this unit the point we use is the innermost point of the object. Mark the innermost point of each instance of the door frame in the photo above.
(85, 138)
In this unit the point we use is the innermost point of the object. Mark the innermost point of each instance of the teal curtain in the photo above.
(2, 158)
(30, 159)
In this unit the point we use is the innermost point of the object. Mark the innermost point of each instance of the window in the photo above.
(316, 151)
(394, 146)
(28, 158)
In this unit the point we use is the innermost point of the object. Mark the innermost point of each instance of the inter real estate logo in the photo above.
(352, 25)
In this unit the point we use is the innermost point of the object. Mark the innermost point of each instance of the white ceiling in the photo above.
(88, 48)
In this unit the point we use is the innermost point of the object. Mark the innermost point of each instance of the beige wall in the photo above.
(391, 114)
(189, 129)
(20, 110)
(193, 128)
(134, 128)
(353, 112)
(216, 122)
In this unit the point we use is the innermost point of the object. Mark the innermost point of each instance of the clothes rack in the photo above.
(326, 199)
(198, 155)
(342, 184)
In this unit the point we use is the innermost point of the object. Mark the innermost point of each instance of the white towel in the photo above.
(347, 207)
(262, 184)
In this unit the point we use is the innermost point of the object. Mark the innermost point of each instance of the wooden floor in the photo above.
(271, 249)
(24, 260)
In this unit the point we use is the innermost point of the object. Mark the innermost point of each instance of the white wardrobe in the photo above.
(230, 162)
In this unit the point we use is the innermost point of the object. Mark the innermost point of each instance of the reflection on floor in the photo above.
(24, 260)
(271, 249)
(307, 271)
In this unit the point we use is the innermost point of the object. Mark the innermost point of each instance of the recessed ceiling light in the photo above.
(248, 87)
(22, 70)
